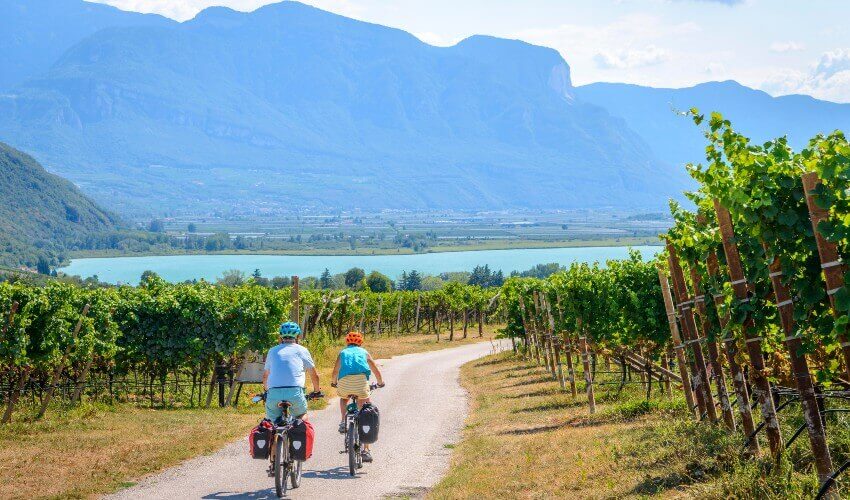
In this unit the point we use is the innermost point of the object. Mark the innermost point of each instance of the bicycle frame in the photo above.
(352, 436)
(283, 468)
(353, 415)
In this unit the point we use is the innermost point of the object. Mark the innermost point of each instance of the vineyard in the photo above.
(160, 344)
(748, 303)
(745, 313)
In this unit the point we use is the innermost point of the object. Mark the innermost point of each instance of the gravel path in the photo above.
(423, 408)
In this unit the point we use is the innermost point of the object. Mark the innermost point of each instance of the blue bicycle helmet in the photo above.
(290, 329)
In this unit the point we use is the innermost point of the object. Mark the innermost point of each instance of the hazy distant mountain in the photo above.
(291, 105)
(42, 214)
(35, 33)
(676, 140)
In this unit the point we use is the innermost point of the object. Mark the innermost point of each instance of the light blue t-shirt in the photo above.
(286, 364)
(353, 360)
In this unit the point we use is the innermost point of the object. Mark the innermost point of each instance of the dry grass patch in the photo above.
(92, 449)
(527, 438)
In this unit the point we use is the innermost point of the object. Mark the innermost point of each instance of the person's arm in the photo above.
(310, 368)
(335, 374)
(266, 379)
(375, 369)
(314, 378)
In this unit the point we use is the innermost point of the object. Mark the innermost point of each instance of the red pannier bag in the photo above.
(301, 437)
(260, 440)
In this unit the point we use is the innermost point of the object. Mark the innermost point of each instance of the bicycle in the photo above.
(352, 433)
(285, 470)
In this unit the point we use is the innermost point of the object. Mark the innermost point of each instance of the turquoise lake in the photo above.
(186, 267)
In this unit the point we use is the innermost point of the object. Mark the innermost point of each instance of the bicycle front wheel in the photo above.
(295, 475)
(281, 465)
(350, 443)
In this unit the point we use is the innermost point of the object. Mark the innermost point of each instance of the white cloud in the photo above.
(613, 50)
(828, 78)
(789, 46)
(714, 69)
(631, 58)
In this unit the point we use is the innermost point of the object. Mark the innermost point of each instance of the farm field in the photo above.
(386, 233)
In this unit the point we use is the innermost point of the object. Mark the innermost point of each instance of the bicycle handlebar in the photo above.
(263, 395)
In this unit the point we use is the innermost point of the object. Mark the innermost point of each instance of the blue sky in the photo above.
(780, 46)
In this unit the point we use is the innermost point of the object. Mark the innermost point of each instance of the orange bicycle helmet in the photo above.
(355, 338)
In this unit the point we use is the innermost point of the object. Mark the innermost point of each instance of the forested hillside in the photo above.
(42, 214)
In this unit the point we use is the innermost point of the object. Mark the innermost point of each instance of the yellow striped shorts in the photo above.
(353, 384)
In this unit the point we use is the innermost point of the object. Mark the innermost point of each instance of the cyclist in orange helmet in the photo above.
(352, 370)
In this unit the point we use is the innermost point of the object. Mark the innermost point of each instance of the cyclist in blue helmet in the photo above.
(284, 377)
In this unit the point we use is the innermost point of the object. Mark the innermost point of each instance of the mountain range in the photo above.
(290, 106)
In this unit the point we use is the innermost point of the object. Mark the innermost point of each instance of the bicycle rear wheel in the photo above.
(295, 475)
(350, 444)
(281, 465)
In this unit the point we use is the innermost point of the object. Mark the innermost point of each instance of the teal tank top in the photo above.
(353, 360)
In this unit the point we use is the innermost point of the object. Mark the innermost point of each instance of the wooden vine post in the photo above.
(713, 355)
(585, 359)
(678, 347)
(555, 345)
(54, 378)
(546, 333)
(568, 352)
(802, 375)
(525, 328)
(761, 385)
(480, 314)
(830, 261)
(531, 335)
(380, 313)
(81, 383)
(739, 381)
(398, 316)
(295, 311)
(418, 307)
(702, 390)
(538, 327)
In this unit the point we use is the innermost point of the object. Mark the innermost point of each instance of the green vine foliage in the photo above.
(619, 305)
(829, 157)
(761, 186)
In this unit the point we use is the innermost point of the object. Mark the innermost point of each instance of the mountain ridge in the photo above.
(755, 113)
(293, 105)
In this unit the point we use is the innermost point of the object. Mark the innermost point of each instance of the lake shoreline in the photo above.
(176, 268)
(368, 252)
